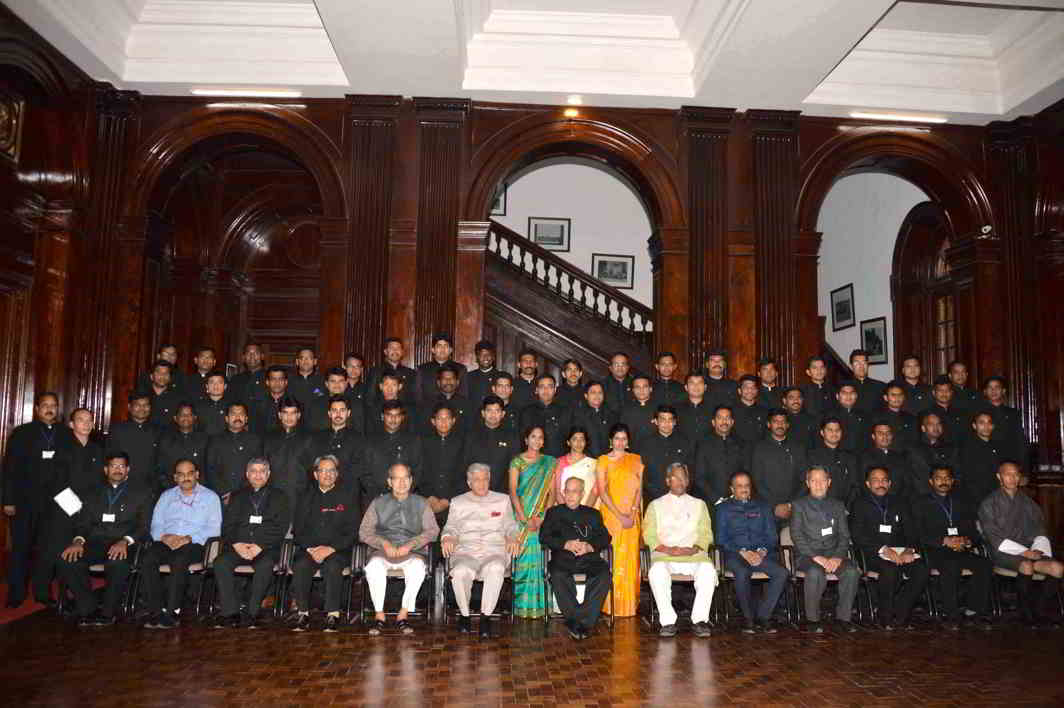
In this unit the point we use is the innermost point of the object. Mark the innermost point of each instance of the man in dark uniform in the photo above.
(228, 453)
(318, 416)
(554, 418)
(869, 390)
(305, 384)
(341, 440)
(392, 445)
(571, 388)
(667, 390)
(448, 380)
(931, 451)
(36, 468)
(891, 457)
(917, 393)
(841, 464)
(357, 390)
(768, 389)
(251, 382)
(86, 460)
(854, 421)
(478, 381)
(211, 409)
(902, 424)
(264, 406)
(164, 396)
(596, 418)
(492, 444)
(503, 388)
(390, 389)
(802, 427)
(441, 469)
(138, 439)
(288, 451)
(393, 364)
(980, 456)
(955, 420)
(777, 466)
(254, 525)
(639, 413)
(945, 525)
(884, 531)
(719, 388)
(694, 412)
(168, 353)
(818, 394)
(1008, 425)
(718, 457)
(618, 385)
(442, 349)
(963, 397)
(114, 516)
(196, 382)
(524, 383)
(662, 447)
(182, 442)
(751, 418)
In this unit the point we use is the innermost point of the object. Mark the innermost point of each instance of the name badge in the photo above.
(108, 518)
(885, 528)
(47, 454)
(827, 531)
(952, 531)
(255, 519)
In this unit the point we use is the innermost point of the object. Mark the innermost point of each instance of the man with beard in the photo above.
(571, 389)
(341, 441)
(264, 407)
(478, 381)
(667, 390)
(428, 372)
(524, 384)
(228, 453)
(776, 466)
(720, 390)
(801, 426)
(448, 380)
(393, 445)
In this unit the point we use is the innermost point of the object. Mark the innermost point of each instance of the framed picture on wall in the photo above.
(842, 312)
(549, 232)
(498, 204)
(614, 270)
(874, 339)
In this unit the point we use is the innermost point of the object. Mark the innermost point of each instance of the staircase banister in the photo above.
(573, 272)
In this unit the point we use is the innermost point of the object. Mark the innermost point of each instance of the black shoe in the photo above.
(846, 626)
(332, 623)
(951, 625)
(252, 622)
(1045, 622)
(168, 620)
(749, 627)
(585, 632)
(982, 622)
(812, 628)
(766, 626)
(153, 621)
(104, 620)
(667, 630)
(222, 622)
(485, 628)
(702, 629)
(573, 630)
(84, 622)
(376, 627)
(301, 622)
(465, 624)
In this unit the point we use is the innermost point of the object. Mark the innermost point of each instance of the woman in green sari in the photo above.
(530, 492)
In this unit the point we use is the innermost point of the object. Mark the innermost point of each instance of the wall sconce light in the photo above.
(571, 113)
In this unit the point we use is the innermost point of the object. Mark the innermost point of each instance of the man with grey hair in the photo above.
(323, 530)
(398, 527)
(479, 538)
(253, 528)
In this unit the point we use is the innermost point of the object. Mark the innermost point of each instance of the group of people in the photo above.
(496, 467)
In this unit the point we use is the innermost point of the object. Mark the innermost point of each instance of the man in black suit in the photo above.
(393, 364)
(442, 349)
(138, 439)
(492, 444)
(229, 452)
(478, 381)
(114, 516)
(183, 442)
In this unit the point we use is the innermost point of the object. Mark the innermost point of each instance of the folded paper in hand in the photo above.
(68, 501)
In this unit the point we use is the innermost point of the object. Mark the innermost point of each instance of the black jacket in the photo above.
(750, 422)
(598, 424)
(716, 460)
(86, 465)
(131, 506)
(194, 386)
(855, 430)
(841, 464)
(618, 393)
(306, 389)
(442, 474)
(869, 394)
(164, 406)
(426, 379)
(638, 417)
(555, 420)
(477, 386)
(464, 414)
(262, 414)
(904, 426)
(563, 524)
(658, 452)
(720, 391)
(917, 398)
(374, 422)
(210, 414)
(327, 518)
(770, 397)
(934, 515)
(247, 385)
(818, 400)
(778, 470)
(667, 392)
(493, 447)
(803, 428)
(291, 459)
(869, 513)
(1008, 432)
(270, 504)
(924, 457)
(693, 420)
(175, 446)
(896, 462)
(37, 464)
(570, 396)
(140, 441)
(347, 444)
(227, 460)
(956, 421)
(384, 450)
(977, 473)
(967, 399)
(408, 394)
(524, 393)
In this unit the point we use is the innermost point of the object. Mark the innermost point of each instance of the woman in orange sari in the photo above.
(620, 488)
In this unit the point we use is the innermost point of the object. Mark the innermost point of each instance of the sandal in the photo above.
(404, 627)
(376, 628)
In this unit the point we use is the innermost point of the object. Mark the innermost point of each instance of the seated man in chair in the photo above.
(398, 527)
(576, 536)
(1016, 530)
(253, 529)
(323, 529)
(114, 516)
(479, 538)
(677, 530)
(822, 538)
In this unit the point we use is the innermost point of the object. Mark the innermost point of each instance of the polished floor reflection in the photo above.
(49, 662)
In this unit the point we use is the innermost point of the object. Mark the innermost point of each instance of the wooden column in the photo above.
(1051, 330)
(671, 272)
(52, 228)
(705, 133)
(775, 161)
(126, 278)
(976, 267)
(339, 289)
(806, 250)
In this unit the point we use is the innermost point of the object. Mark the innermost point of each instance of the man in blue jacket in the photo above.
(746, 532)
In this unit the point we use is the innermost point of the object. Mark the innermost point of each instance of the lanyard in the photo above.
(113, 495)
(882, 509)
(584, 531)
(262, 500)
(947, 511)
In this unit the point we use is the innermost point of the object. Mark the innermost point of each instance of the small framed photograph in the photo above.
(498, 203)
(549, 232)
(874, 339)
(842, 312)
(614, 270)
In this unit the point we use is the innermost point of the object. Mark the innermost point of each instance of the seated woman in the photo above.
(576, 464)
(531, 491)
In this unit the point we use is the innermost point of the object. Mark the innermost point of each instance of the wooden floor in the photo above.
(50, 662)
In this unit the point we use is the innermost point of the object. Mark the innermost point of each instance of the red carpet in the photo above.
(10, 614)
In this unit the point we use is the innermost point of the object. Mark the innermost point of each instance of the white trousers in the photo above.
(466, 569)
(661, 585)
(377, 578)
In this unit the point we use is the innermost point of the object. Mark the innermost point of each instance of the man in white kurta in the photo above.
(677, 530)
(479, 538)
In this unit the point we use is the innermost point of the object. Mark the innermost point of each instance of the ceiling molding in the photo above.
(707, 31)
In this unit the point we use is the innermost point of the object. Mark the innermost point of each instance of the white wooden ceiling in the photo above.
(964, 61)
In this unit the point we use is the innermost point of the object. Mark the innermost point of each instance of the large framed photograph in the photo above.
(614, 269)
(549, 232)
(498, 203)
(842, 312)
(874, 339)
